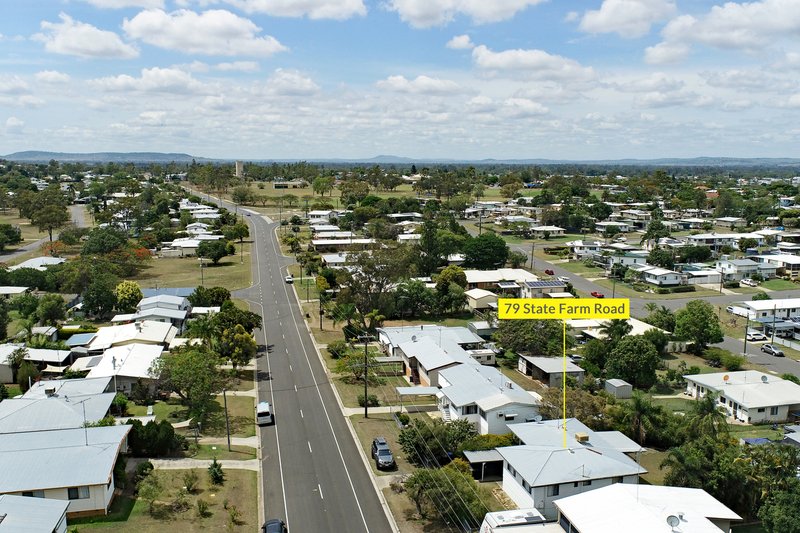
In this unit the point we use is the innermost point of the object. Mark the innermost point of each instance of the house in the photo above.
(786, 264)
(409, 237)
(289, 184)
(506, 280)
(766, 310)
(658, 276)
(39, 263)
(717, 240)
(53, 411)
(164, 301)
(485, 397)
(320, 216)
(424, 358)
(390, 338)
(126, 364)
(39, 356)
(7, 292)
(336, 245)
(544, 288)
(478, 299)
(49, 333)
(180, 247)
(337, 260)
(701, 276)
(731, 222)
(581, 249)
(737, 269)
(618, 388)
(621, 508)
(549, 370)
(545, 232)
(72, 465)
(593, 328)
(69, 388)
(608, 260)
(144, 332)
(749, 396)
(609, 226)
(23, 514)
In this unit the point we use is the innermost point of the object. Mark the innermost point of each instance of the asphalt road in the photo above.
(313, 474)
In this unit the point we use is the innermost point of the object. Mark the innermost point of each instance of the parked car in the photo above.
(549, 272)
(382, 454)
(772, 350)
(289, 279)
(749, 282)
(598, 294)
(756, 336)
(275, 525)
(563, 279)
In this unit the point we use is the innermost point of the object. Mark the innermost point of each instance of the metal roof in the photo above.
(544, 284)
(56, 459)
(80, 339)
(482, 456)
(171, 291)
(22, 514)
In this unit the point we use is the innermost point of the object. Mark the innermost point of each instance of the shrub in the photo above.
(215, 473)
(337, 349)
(3, 392)
(732, 361)
(202, 508)
(142, 471)
(120, 402)
(403, 418)
(190, 479)
(372, 400)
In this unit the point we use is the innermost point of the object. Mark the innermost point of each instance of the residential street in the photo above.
(313, 474)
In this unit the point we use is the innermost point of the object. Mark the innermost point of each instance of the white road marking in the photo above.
(301, 414)
(290, 368)
(295, 388)
(320, 491)
(309, 447)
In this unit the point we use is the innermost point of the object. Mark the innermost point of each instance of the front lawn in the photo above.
(220, 451)
(232, 272)
(172, 410)
(241, 414)
(779, 285)
(650, 460)
(129, 515)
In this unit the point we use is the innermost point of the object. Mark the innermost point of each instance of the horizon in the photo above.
(348, 79)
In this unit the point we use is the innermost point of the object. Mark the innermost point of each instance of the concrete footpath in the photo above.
(180, 464)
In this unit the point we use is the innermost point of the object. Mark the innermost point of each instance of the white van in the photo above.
(263, 413)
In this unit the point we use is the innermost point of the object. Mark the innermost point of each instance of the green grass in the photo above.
(622, 290)
(650, 460)
(577, 267)
(748, 528)
(779, 285)
(171, 410)
(220, 451)
(132, 516)
(13, 390)
(242, 381)
(382, 424)
(755, 432)
(676, 405)
(231, 272)
(241, 413)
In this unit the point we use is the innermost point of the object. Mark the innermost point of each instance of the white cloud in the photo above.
(152, 118)
(119, 4)
(291, 83)
(14, 126)
(522, 107)
(13, 85)
(51, 76)
(237, 66)
(429, 13)
(627, 18)
(658, 99)
(460, 42)
(537, 63)
(658, 81)
(213, 32)
(71, 37)
(572, 16)
(748, 26)
(152, 80)
(313, 9)
(666, 52)
(793, 101)
(419, 85)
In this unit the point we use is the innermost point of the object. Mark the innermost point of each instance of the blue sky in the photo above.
(464, 79)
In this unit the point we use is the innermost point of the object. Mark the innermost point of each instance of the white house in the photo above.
(737, 269)
(749, 396)
(424, 359)
(717, 240)
(478, 299)
(73, 465)
(762, 310)
(549, 231)
(485, 397)
(658, 276)
(21, 514)
(581, 249)
(621, 508)
(125, 364)
(320, 216)
(731, 222)
(144, 332)
(787, 264)
(549, 370)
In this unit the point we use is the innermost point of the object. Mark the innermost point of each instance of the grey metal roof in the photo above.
(430, 355)
(541, 466)
(55, 459)
(417, 391)
(69, 387)
(544, 284)
(616, 382)
(399, 335)
(171, 291)
(44, 414)
(22, 514)
(552, 365)
(483, 456)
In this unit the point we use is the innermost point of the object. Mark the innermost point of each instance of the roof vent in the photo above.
(50, 391)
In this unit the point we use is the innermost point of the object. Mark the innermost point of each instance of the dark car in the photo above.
(276, 525)
(382, 454)
(549, 272)
(772, 350)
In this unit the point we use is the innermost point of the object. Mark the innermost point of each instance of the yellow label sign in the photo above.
(563, 309)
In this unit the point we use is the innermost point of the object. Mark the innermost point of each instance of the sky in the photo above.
(436, 79)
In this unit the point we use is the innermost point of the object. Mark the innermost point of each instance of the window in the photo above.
(552, 490)
(482, 413)
(587, 483)
(33, 493)
(773, 411)
(525, 485)
(617, 479)
(469, 409)
(78, 493)
(722, 400)
(761, 410)
(509, 418)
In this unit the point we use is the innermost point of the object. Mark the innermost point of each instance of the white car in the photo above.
(749, 282)
(289, 279)
(755, 336)
(563, 279)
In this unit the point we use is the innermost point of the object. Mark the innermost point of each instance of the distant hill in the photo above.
(102, 157)
(158, 157)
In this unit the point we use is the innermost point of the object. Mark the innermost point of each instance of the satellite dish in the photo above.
(413, 338)
(764, 379)
(673, 521)
(537, 418)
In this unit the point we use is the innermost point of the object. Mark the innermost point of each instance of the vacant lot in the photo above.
(232, 272)
(779, 285)
(129, 515)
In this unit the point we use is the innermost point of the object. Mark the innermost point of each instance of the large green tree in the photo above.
(485, 252)
(49, 218)
(128, 295)
(537, 337)
(699, 323)
(635, 360)
(51, 309)
(214, 250)
(190, 372)
(237, 345)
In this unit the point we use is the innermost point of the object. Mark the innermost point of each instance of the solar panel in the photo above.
(94, 361)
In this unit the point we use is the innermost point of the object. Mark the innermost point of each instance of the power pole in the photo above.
(533, 247)
(227, 421)
(366, 339)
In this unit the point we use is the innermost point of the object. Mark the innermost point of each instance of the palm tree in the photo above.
(707, 418)
(615, 329)
(204, 328)
(641, 416)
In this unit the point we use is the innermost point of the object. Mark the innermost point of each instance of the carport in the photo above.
(405, 392)
(487, 465)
